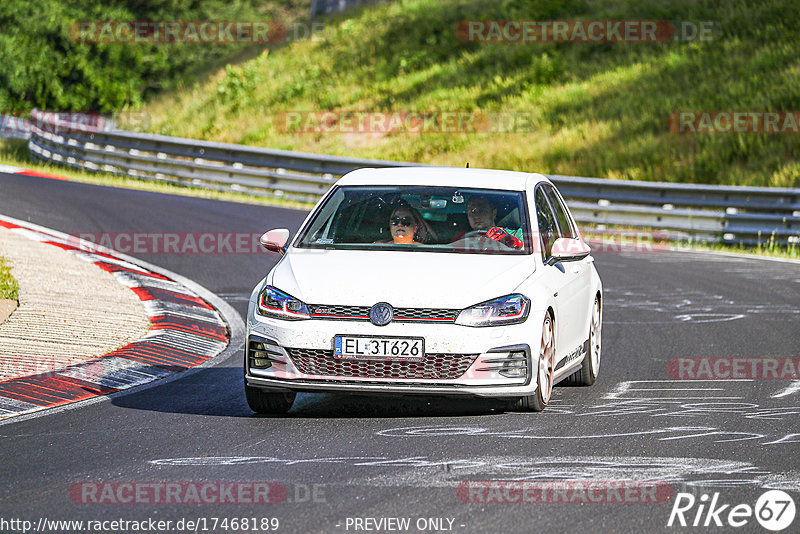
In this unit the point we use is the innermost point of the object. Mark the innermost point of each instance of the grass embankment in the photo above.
(598, 109)
(9, 288)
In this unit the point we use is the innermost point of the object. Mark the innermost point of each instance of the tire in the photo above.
(268, 402)
(544, 373)
(587, 374)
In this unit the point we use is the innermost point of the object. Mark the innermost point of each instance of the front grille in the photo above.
(425, 314)
(401, 315)
(322, 362)
(353, 313)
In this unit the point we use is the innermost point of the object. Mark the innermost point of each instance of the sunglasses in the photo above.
(401, 221)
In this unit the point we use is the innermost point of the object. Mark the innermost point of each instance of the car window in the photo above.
(432, 219)
(565, 228)
(548, 229)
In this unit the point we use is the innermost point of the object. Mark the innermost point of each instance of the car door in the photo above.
(555, 276)
(581, 269)
(560, 278)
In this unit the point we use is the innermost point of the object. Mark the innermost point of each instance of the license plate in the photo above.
(392, 348)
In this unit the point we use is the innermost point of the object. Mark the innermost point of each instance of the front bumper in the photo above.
(488, 351)
(332, 386)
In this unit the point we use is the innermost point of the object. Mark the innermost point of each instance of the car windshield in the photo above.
(421, 219)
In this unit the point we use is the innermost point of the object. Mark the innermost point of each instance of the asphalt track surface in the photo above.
(404, 457)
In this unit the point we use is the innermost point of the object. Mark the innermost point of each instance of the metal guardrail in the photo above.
(689, 211)
(327, 7)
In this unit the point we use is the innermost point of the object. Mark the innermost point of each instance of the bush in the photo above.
(44, 68)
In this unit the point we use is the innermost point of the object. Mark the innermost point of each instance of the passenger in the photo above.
(407, 226)
(481, 214)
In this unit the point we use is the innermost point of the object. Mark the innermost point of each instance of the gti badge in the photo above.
(381, 314)
(577, 353)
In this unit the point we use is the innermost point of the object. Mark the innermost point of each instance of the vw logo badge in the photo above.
(381, 314)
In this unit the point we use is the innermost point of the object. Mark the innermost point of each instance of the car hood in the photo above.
(403, 279)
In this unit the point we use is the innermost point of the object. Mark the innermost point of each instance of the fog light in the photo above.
(516, 365)
(259, 358)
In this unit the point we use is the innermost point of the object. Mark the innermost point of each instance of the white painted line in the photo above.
(688, 381)
(794, 387)
(624, 391)
(10, 170)
(618, 390)
(788, 438)
(683, 398)
(12, 406)
(679, 389)
(738, 255)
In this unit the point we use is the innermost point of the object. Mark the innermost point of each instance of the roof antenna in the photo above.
(468, 165)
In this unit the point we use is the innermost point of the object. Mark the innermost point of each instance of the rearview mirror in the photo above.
(275, 240)
(567, 249)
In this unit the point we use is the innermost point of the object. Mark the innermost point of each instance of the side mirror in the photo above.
(567, 249)
(275, 240)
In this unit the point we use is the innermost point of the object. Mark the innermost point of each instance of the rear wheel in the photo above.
(544, 372)
(587, 374)
(269, 402)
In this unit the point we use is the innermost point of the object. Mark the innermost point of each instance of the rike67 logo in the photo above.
(774, 510)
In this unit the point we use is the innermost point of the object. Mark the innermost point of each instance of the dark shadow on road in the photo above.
(219, 392)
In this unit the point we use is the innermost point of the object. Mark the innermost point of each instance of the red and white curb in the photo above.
(185, 331)
(9, 169)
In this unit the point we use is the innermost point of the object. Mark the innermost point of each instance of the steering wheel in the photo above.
(475, 233)
(485, 242)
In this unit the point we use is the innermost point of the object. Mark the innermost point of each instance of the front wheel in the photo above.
(268, 402)
(544, 373)
(587, 374)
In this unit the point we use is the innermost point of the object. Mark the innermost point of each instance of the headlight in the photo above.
(510, 309)
(275, 303)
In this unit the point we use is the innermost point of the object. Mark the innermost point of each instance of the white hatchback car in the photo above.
(419, 280)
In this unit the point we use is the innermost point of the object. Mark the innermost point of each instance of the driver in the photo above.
(481, 215)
